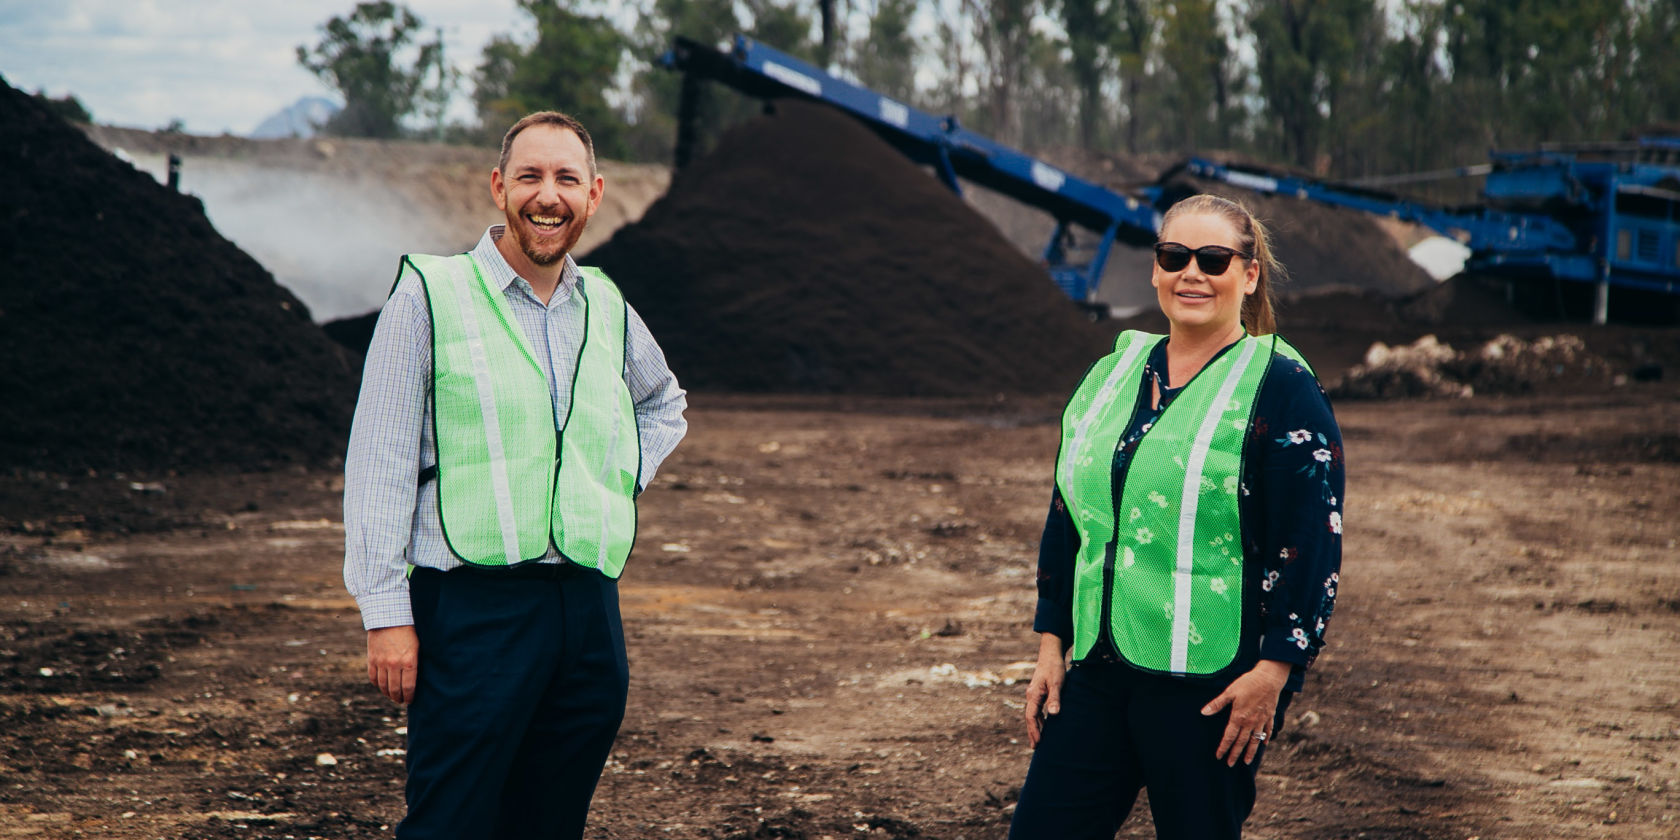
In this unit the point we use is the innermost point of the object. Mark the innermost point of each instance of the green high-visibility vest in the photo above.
(1169, 543)
(512, 477)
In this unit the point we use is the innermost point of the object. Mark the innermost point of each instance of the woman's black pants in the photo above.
(1121, 730)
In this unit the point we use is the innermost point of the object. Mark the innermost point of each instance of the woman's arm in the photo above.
(1298, 488)
(1300, 493)
(1057, 549)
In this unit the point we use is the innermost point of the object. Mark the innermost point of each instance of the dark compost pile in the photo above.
(806, 255)
(137, 337)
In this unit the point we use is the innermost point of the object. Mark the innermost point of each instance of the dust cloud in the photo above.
(332, 240)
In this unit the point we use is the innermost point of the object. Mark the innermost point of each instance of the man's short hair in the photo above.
(554, 118)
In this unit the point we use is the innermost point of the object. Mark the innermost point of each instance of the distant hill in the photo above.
(300, 119)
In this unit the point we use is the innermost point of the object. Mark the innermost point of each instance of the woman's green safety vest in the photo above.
(512, 478)
(1170, 542)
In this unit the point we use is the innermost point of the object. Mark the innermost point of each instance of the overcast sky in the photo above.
(216, 65)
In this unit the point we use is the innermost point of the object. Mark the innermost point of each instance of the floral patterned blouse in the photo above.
(1290, 502)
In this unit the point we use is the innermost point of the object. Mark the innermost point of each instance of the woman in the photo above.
(1189, 562)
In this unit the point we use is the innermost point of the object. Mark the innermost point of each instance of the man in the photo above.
(512, 408)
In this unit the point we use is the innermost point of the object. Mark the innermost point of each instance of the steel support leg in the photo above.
(1601, 295)
(688, 119)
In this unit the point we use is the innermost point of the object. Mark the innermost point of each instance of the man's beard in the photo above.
(574, 232)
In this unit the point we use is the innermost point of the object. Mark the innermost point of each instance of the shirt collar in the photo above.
(491, 261)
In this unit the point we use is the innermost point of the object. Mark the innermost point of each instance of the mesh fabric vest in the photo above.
(1164, 552)
(512, 478)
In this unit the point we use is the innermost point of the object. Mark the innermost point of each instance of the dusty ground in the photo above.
(826, 612)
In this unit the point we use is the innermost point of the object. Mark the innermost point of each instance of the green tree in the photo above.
(825, 46)
(658, 92)
(1199, 77)
(1136, 23)
(1656, 99)
(1003, 32)
(956, 61)
(1306, 51)
(437, 89)
(1048, 102)
(783, 26)
(887, 57)
(1090, 27)
(1546, 70)
(570, 67)
(1416, 128)
(365, 57)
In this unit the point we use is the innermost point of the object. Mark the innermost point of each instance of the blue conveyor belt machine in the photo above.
(1606, 213)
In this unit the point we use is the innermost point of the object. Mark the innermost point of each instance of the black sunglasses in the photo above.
(1212, 259)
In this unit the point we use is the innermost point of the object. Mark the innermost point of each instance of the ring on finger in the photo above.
(1259, 736)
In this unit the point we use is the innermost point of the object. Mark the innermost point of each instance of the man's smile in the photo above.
(547, 223)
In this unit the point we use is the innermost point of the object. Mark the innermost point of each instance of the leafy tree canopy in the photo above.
(570, 67)
(367, 57)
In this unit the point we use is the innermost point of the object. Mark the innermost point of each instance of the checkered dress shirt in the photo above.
(390, 520)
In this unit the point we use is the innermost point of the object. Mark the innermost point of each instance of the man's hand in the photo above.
(394, 661)
(1044, 693)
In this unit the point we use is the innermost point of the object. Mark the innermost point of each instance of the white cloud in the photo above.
(217, 65)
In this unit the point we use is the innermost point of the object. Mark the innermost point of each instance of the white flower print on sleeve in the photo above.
(1335, 522)
(1300, 436)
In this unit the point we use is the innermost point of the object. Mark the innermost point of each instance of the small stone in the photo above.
(326, 760)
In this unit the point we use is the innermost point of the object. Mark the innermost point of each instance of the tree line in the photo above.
(1339, 88)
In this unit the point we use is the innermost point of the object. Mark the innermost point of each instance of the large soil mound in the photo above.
(804, 254)
(135, 336)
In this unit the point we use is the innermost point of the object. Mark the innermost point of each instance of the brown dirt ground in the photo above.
(827, 613)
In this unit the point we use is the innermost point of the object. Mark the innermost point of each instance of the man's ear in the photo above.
(597, 191)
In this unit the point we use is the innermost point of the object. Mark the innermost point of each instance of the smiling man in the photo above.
(513, 407)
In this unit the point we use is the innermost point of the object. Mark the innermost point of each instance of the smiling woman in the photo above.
(1182, 531)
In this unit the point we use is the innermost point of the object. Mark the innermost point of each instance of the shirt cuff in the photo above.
(1282, 646)
(1053, 617)
(385, 609)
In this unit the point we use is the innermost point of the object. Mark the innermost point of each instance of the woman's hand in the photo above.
(1253, 700)
(1044, 692)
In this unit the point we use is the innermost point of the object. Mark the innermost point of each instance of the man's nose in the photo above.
(550, 193)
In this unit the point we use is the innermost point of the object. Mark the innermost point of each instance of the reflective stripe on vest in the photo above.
(511, 479)
(1175, 550)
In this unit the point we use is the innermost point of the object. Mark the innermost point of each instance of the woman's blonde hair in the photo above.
(1258, 315)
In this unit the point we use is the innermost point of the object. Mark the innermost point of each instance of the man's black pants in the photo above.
(520, 693)
(1121, 730)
